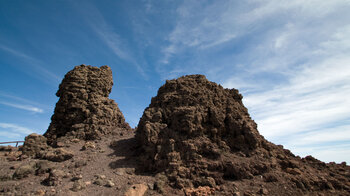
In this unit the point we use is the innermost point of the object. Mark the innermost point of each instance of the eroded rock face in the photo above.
(84, 110)
(192, 107)
(192, 119)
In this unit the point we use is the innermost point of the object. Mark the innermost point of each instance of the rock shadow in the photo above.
(124, 153)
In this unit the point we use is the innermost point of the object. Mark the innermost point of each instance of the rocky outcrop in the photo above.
(196, 134)
(84, 110)
(36, 146)
(190, 124)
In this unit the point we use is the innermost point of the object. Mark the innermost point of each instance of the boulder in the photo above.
(136, 190)
(34, 145)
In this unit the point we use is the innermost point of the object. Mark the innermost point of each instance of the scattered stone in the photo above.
(60, 144)
(77, 177)
(263, 191)
(40, 192)
(58, 155)
(80, 163)
(54, 178)
(120, 171)
(130, 171)
(136, 190)
(150, 186)
(78, 185)
(109, 183)
(25, 170)
(43, 167)
(101, 176)
(236, 193)
(75, 140)
(88, 145)
(99, 182)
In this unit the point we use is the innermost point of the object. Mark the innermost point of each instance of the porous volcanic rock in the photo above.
(34, 145)
(84, 110)
(196, 133)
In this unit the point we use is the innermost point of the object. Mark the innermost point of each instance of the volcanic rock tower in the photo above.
(84, 110)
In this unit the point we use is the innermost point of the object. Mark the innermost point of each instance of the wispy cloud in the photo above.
(23, 107)
(17, 129)
(110, 37)
(20, 103)
(37, 65)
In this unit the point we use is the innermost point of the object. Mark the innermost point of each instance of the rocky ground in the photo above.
(109, 167)
(100, 167)
(196, 138)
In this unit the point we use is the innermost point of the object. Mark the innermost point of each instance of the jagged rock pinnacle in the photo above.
(84, 110)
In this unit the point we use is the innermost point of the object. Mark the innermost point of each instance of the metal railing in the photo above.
(12, 142)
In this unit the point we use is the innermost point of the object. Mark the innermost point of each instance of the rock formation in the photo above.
(35, 146)
(195, 133)
(84, 110)
(195, 138)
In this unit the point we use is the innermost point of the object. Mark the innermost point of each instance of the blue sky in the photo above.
(289, 59)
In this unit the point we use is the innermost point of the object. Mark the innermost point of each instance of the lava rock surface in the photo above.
(84, 110)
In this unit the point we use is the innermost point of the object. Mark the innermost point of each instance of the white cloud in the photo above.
(15, 129)
(34, 63)
(109, 36)
(23, 107)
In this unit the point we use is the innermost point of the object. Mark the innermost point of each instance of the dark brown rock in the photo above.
(84, 110)
(25, 170)
(54, 178)
(34, 145)
(191, 122)
(58, 155)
